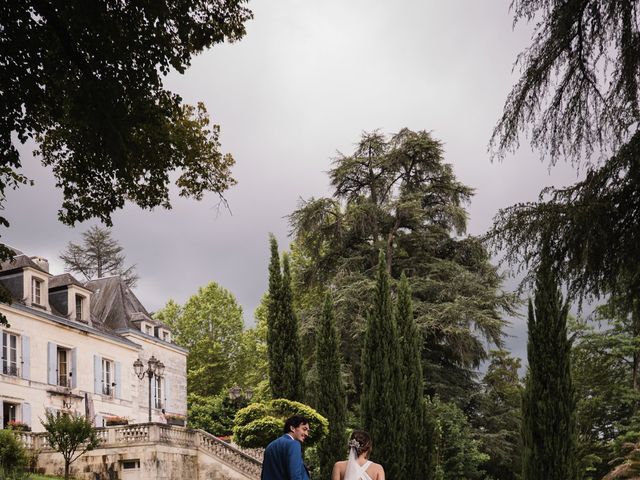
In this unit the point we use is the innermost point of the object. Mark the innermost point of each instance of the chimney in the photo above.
(41, 262)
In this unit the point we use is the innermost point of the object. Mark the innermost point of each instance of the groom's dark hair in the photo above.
(295, 421)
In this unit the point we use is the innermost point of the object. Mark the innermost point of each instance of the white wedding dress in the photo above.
(355, 471)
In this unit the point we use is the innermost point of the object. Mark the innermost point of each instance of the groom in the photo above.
(283, 456)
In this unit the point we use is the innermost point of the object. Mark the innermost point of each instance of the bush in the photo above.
(260, 423)
(18, 426)
(113, 421)
(12, 453)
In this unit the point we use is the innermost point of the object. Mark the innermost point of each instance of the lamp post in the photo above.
(155, 368)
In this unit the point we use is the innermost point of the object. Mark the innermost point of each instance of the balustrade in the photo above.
(240, 459)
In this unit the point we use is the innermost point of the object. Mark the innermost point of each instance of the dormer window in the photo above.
(79, 307)
(36, 291)
(165, 336)
(148, 329)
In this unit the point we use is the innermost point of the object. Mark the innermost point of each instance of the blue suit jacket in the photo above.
(283, 460)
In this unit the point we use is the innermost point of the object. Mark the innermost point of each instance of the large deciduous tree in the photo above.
(331, 394)
(382, 402)
(86, 82)
(97, 256)
(397, 194)
(548, 402)
(210, 325)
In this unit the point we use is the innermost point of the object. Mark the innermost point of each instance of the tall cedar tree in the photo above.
(413, 384)
(283, 344)
(97, 256)
(548, 404)
(331, 392)
(396, 193)
(578, 99)
(382, 406)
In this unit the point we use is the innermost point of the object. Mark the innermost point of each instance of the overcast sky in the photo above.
(306, 80)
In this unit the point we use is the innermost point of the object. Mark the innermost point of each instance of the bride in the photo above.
(358, 467)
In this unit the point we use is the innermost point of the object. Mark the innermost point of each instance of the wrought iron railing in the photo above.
(12, 370)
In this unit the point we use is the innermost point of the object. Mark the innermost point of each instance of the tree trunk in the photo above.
(66, 470)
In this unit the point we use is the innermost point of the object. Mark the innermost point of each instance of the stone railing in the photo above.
(246, 461)
(233, 456)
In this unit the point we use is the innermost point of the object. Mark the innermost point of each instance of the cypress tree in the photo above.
(548, 406)
(283, 338)
(275, 347)
(290, 336)
(331, 392)
(413, 384)
(382, 406)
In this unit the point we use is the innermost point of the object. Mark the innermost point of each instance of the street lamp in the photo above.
(154, 368)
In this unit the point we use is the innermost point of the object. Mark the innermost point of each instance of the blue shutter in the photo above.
(2, 425)
(97, 374)
(167, 394)
(26, 358)
(52, 350)
(26, 413)
(74, 368)
(154, 393)
(118, 381)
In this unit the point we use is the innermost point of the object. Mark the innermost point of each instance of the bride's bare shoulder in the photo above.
(376, 472)
(338, 470)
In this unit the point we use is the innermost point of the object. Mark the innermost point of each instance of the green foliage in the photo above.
(382, 403)
(98, 256)
(410, 342)
(579, 86)
(70, 434)
(456, 454)
(497, 417)
(253, 364)
(210, 325)
(283, 338)
(331, 394)
(627, 463)
(398, 195)
(602, 369)
(214, 414)
(549, 403)
(260, 423)
(12, 454)
(86, 82)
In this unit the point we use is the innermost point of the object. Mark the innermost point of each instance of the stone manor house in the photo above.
(71, 347)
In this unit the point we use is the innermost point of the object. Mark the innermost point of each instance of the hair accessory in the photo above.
(353, 443)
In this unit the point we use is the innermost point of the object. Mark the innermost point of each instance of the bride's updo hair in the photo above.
(361, 441)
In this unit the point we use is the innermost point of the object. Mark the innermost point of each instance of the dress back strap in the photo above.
(363, 467)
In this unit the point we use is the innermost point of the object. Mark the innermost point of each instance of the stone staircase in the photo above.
(161, 451)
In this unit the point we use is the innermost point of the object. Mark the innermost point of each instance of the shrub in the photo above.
(112, 421)
(18, 426)
(12, 453)
(260, 423)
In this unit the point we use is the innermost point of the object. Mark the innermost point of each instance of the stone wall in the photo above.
(149, 452)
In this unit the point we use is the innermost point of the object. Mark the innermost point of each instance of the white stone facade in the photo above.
(77, 362)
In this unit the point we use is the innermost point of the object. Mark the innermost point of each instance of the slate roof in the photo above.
(19, 262)
(115, 305)
(64, 280)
